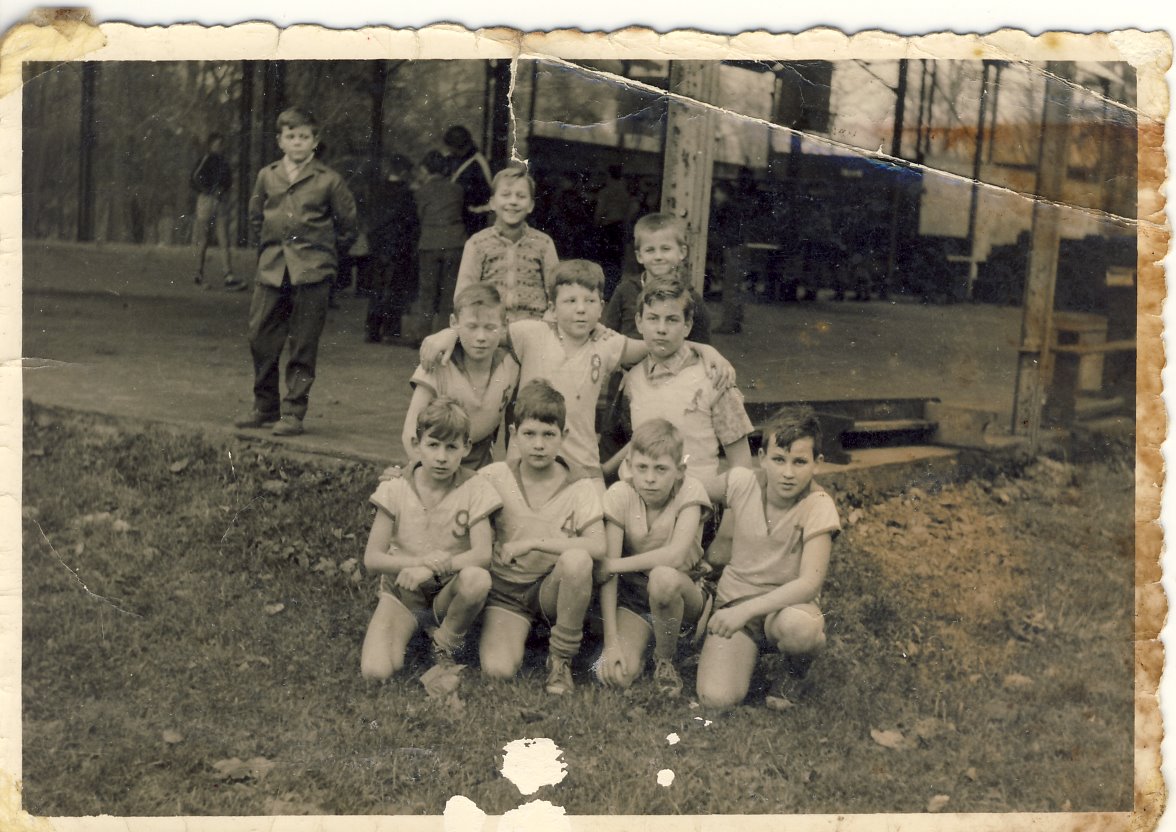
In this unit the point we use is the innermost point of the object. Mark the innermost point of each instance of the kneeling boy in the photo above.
(653, 524)
(550, 532)
(430, 543)
(784, 525)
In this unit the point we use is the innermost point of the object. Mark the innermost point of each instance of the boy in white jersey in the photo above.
(549, 533)
(672, 383)
(480, 375)
(575, 354)
(653, 524)
(784, 525)
(430, 543)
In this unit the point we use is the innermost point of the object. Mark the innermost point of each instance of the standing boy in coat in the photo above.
(303, 215)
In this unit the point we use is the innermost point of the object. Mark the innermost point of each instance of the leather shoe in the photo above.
(288, 426)
(255, 419)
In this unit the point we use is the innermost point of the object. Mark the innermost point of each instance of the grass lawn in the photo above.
(980, 648)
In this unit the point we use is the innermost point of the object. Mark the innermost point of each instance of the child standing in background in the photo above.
(516, 258)
(439, 206)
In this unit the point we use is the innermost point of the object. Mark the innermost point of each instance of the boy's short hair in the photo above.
(666, 288)
(458, 138)
(540, 401)
(656, 438)
(297, 117)
(515, 170)
(578, 273)
(478, 296)
(658, 222)
(435, 162)
(443, 419)
(792, 423)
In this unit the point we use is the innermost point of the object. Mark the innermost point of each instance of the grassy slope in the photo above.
(934, 600)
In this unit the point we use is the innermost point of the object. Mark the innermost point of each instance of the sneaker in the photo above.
(255, 419)
(783, 693)
(442, 658)
(234, 283)
(666, 677)
(559, 676)
(288, 426)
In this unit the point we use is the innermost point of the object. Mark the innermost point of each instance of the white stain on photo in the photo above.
(463, 815)
(665, 777)
(535, 816)
(532, 764)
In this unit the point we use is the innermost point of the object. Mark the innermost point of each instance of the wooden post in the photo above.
(688, 164)
(499, 145)
(974, 203)
(1037, 314)
(376, 137)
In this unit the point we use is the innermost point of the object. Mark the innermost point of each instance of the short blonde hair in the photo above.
(659, 222)
(515, 170)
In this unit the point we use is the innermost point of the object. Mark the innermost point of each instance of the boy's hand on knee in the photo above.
(440, 564)
(601, 571)
(726, 622)
(412, 577)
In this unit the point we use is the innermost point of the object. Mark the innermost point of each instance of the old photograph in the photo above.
(555, 427)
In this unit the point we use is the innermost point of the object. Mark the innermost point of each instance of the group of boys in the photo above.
(533, 537)
(457, 536)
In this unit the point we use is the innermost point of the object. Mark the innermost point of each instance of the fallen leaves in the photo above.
(893, 739)
(937, 803)
(234, 768)
(274, 609)
(1016, 681)
(172, 737)
(179, 465)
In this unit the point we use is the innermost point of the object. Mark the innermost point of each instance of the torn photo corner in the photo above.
(948, 247)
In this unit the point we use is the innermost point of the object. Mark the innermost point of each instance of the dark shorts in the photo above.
(521, 599)
(420, 601)
(633, 594)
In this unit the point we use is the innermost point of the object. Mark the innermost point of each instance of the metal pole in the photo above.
(974, 204)
(1037, 315)
(688, 163)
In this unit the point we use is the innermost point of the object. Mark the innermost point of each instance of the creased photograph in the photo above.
(444, 429)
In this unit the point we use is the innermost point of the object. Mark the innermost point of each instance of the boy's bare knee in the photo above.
(797, 631)
(717, 697)
(380, 670)
(575, 564)
(473, 583)
(663, 585)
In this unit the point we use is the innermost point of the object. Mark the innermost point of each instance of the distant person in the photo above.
(470, 170)
(613, 204)
(302, 215)
(394, 230)
(439, 249)
(212, 177)
(515, 258)
(784, 526)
